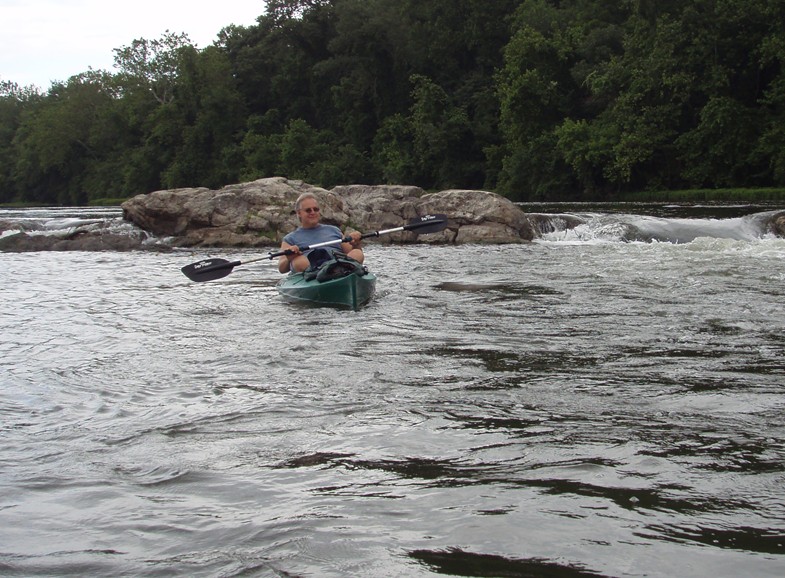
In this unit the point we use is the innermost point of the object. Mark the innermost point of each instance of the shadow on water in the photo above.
(446, 473)
(507, 361)
(742, 538)
(450, 472)
(457, 562)
(653, 499)
(752, 456)
(498, 291)
(441, 473)
(764, 367)
(319, 459)
(513, 426)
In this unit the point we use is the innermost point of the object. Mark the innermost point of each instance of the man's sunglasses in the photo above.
(310, 210)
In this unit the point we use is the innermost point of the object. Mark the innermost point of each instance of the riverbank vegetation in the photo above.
(536, 99)
(769, 195)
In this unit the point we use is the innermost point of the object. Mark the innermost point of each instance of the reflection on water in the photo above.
(456, 562)
(555, 408)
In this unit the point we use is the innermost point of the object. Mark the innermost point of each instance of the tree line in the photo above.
(535, 99)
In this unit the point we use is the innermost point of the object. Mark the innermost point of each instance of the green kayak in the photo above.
(344, 286)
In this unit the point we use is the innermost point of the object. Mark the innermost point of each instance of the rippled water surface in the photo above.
(560, 408)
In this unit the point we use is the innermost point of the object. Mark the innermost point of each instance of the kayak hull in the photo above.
(351, 291)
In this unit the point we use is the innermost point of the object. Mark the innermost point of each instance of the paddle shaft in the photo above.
(304, 248)
(211, 269)
(431, 222)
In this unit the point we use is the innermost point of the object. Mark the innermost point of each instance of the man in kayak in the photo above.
(310, 232)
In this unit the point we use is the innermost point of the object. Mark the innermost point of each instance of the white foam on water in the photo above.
(623, 228)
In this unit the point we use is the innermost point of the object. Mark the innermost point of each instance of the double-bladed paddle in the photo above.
(210, 269)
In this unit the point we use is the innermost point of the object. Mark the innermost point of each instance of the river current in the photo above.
(583, 405)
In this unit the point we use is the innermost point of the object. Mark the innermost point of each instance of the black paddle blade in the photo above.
(209, 269)
(427, 224)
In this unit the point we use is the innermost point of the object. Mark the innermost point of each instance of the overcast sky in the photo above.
(46, 40)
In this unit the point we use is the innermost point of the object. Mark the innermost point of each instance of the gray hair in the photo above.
(302, 198)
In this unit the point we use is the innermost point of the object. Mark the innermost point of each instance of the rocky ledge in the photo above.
(260, 213)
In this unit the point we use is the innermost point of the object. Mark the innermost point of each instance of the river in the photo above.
(583, 405)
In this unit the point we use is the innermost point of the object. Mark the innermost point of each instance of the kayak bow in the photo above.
(353, 290)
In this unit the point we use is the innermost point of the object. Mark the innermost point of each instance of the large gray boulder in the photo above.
(260, 213)
(252, 214)
(480, 217)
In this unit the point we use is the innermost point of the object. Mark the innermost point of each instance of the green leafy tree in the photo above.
(302, 148)
(153, 63)
(393, 150)
(770, 147)
(458, 44)
(209, 113)
(534, 88)
(284, 11)
(440, 130)
(261, 146)
(428, 145)
(539, 99)
(364, 78)
(15, 101)
(63, 139)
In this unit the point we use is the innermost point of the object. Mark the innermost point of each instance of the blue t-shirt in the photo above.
(318, 234)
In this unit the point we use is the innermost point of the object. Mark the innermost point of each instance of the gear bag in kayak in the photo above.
(326, 265)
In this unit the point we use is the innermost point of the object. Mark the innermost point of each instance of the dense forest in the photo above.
(535, 99)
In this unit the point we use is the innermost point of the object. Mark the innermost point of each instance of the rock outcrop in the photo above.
(260, 213)
(777, 224)
(79, 241)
